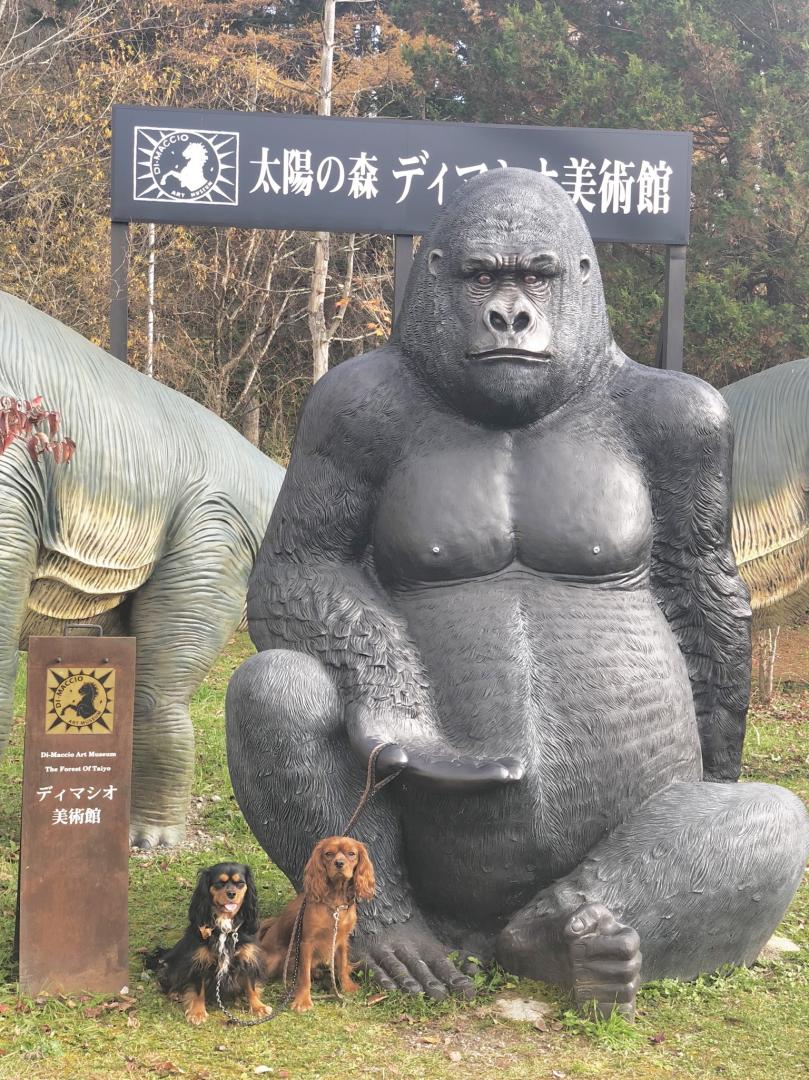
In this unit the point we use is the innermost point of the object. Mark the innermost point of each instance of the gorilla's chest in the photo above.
(561, 503)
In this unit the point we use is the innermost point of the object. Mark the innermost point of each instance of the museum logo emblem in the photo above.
(184, 165)
(80, 701)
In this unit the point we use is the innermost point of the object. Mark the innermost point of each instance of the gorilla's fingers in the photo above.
(392, 758)
(437, 766)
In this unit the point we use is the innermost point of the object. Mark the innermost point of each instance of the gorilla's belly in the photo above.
(585, 684)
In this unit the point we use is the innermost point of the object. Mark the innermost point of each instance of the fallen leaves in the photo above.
(118, 1005)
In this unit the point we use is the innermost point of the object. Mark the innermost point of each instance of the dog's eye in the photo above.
(329, 854)
(352, 854)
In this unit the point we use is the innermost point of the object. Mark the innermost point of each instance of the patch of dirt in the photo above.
(477, 1040)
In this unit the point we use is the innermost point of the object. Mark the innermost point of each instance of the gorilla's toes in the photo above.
(605, 960)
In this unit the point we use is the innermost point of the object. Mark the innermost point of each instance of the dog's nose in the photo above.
(339, 863)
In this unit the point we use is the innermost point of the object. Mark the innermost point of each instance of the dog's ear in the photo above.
(364, 880)
(199, 910)
(315, 879)
(249, 909)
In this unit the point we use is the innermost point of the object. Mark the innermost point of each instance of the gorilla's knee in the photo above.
(786, 818)
(284, 692)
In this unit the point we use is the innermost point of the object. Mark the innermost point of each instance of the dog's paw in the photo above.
(260, 1009)
(196, 1016)
(301, 1004)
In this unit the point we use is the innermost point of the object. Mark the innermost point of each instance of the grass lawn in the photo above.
(751, 1023)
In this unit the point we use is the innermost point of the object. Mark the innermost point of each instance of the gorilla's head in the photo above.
(504, 313)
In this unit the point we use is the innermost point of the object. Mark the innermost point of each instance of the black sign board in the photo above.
(261, 170)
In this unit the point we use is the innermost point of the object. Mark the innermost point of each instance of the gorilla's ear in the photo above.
(584, 266)
(433, 259)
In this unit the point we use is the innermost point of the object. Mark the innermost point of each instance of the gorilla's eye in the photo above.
(483, 278)
(530, 279)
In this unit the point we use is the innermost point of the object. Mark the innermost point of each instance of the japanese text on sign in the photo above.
(618, 187)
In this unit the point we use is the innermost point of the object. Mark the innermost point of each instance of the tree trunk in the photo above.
(767, 645)
(320, 269)
(150, 322)
(251, 420)
(317, 315)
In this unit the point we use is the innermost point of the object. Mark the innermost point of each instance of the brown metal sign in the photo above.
(74, 872)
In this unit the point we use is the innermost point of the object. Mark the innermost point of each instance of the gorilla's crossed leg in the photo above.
(676, 881)
(684, 873)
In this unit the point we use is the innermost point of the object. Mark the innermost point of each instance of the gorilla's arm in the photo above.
(689, 441)
(313, 588)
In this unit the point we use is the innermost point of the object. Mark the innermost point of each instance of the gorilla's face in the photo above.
(503, 295)
(516, 321)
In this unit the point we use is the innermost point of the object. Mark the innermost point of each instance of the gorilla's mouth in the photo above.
(512, 354)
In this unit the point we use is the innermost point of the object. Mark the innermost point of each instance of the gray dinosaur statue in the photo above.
(151, 529)
(770, 490)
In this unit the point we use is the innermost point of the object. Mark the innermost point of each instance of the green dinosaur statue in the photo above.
(771, 490)
(150, 530)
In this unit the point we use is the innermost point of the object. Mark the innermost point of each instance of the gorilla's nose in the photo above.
(504, 321)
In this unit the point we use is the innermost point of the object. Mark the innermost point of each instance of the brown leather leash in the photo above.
(371, 788)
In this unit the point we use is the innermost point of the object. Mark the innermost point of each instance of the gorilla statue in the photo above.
(502, 548)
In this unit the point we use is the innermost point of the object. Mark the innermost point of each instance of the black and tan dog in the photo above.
(219, 944)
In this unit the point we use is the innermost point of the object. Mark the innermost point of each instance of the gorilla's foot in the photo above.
(408, 956)
(148, 834)
(605, 961)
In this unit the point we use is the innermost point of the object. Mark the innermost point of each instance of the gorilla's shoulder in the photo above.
(358, 399)
(670, 402)
(363, 375)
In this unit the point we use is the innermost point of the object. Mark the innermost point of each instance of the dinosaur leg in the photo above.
(182, 618)
(19, 545)
(298, 781)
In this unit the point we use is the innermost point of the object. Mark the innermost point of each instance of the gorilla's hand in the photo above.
(408, 956)
(426, 758)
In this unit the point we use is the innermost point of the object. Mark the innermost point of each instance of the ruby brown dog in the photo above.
(338, 874)
(219, 945)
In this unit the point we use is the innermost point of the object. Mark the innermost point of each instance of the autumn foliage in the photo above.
(231, 306)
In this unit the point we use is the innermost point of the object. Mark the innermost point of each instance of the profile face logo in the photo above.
(184, 165)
